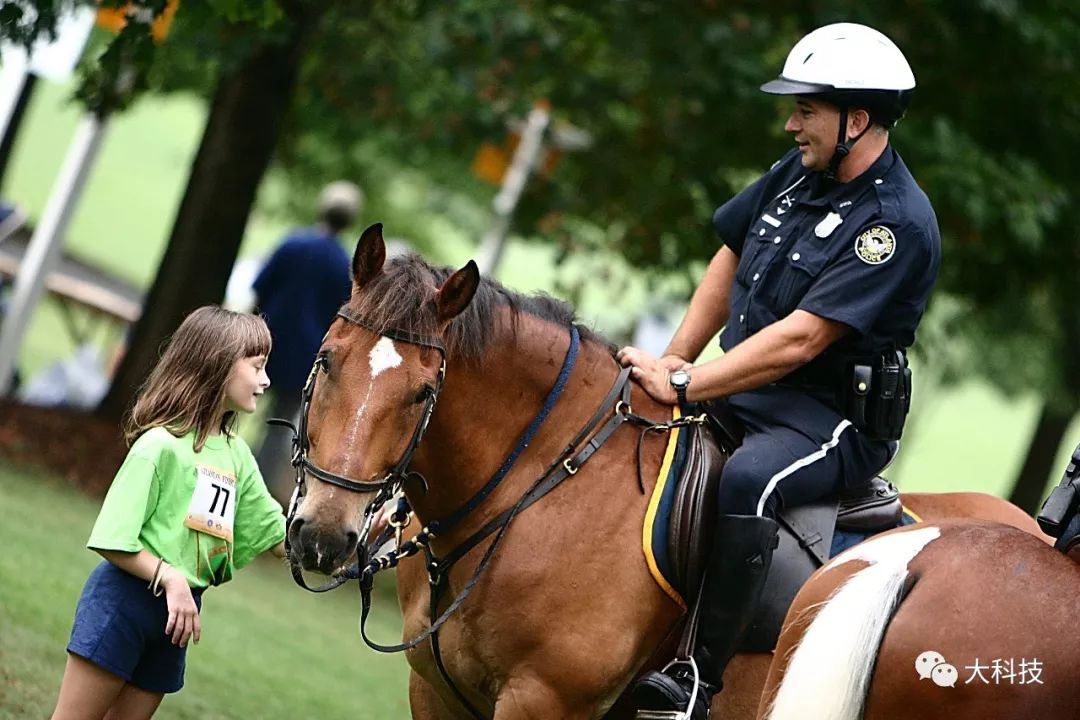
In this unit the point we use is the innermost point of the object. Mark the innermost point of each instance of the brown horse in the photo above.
(939, 621)
(563, 612)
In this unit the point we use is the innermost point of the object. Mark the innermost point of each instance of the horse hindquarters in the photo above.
(975, 594)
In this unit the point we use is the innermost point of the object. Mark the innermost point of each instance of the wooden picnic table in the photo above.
(76, 284)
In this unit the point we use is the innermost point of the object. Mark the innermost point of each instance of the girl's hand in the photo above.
(183, 620)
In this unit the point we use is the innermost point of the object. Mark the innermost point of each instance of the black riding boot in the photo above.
(738, 565)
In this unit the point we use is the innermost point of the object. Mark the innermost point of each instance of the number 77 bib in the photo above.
(213, 505)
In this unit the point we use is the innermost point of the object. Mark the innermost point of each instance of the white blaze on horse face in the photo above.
(383, 356)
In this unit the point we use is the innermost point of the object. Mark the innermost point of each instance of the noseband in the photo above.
(390, 483)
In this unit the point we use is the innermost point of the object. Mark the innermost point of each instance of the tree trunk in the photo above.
(1029, 491)
(245, 120)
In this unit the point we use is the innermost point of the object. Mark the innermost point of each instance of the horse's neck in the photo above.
(485, 407)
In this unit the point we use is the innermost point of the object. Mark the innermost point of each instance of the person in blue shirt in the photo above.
(298, 291)
(825, 270)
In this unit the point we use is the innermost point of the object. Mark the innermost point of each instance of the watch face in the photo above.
(680, 378)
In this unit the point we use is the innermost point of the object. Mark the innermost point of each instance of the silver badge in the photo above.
(825, 227)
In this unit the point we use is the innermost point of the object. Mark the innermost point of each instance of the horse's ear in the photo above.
(370, 254)
(457, 292)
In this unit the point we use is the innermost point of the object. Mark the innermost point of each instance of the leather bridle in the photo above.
(384, 488)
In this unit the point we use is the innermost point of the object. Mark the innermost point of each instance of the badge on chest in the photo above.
(213, 504)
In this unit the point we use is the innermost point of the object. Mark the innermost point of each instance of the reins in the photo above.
(590, 437)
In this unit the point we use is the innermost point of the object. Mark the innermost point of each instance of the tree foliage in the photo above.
(669, 94)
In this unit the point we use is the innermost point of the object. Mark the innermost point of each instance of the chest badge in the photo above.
(876, 245)
(825, 227)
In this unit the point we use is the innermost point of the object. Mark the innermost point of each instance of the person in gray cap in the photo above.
(298, 291)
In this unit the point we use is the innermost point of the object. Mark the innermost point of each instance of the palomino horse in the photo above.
(940, 621)
(563, 612)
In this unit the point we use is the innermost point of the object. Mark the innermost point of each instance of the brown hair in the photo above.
(186, 389)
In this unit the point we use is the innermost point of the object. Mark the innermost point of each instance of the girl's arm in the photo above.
(279, 550)
(183, 620)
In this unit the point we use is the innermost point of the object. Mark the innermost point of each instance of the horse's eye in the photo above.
(323, 359)
(424, 394)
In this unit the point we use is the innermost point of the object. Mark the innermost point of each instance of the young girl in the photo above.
(186, 510)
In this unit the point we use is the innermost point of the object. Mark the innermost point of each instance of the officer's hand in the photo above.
(674, 362)
(651, 373)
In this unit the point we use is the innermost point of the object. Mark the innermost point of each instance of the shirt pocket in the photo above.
(755, 247)
(797, 273)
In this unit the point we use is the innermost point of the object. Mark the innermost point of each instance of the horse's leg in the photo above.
(940, 507)
(524, 698)
(424, 702)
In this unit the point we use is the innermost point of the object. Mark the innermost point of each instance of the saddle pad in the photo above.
(654, 536)
(843, 539)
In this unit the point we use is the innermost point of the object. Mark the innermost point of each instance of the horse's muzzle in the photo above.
(323, 550)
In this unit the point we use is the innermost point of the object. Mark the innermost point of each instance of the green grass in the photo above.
(269, 649)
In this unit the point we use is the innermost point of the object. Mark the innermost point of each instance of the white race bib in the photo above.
(213, 505)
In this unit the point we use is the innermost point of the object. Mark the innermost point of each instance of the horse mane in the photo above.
(402, 298)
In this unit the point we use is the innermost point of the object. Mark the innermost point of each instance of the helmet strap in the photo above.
(843, 145)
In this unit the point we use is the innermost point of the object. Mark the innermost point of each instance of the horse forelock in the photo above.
(402, 298)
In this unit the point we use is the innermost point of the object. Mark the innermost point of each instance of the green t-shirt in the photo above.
(155, 496)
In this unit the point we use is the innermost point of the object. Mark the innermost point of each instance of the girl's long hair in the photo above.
(186, 389)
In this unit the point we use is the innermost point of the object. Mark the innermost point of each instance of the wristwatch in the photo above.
(680, 380)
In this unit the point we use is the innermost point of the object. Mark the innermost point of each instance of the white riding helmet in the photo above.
(849, 64)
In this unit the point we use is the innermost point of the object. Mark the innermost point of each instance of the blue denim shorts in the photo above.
(120, 627)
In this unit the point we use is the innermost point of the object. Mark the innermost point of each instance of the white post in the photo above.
(521, 166)
(44, 250)
(12, 78)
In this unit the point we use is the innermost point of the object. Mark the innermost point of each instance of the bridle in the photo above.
(613, 411)
(384, 488)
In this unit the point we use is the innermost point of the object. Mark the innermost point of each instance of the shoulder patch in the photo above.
(876, 245)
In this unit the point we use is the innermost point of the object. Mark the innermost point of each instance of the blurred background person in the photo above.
(298, 291)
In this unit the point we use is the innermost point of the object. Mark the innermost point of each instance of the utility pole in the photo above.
(513, 184)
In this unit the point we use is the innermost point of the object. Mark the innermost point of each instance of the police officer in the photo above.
(825, 270)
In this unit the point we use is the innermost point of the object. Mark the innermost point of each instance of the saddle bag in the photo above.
(1061, 506)
(693, 513)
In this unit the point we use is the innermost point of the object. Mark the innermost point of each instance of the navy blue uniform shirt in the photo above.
(864, 253)
(299, 291)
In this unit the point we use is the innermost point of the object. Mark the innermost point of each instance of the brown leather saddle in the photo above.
(806, 532)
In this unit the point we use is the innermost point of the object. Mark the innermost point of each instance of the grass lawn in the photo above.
(269, 649)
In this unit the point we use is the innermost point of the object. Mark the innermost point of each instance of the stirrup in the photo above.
(675, 714)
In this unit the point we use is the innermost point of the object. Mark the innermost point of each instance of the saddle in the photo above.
(809, 534)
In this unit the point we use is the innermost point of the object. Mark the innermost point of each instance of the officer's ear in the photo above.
(858, 120)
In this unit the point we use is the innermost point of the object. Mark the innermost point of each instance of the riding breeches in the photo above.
(796, 450)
